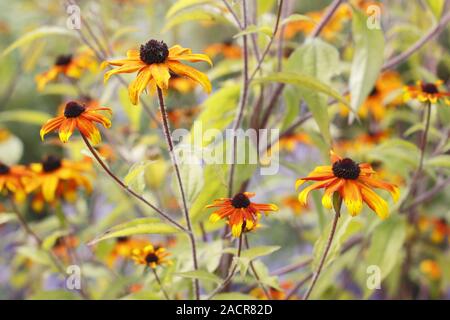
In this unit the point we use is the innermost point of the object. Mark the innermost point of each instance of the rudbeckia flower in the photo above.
(68, 65)
(226, 48)
(123, 248)
(155, 63)
(354, 183)
(81, 117)
(290, 142)
(11, 180)
(53, 171)
(151, 256)
(242, 214)
(63, 245)
(427, 92)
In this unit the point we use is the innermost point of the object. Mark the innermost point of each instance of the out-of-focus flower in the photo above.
(438, 228)
(227, 49)
(154, 63)
(431, 269)
(376, 103)
(274, 293)
(81, 117)
(334, 25)
(241, 213)
(427, 92)
(63, 246)
(124, 247)
(12, 180)
(55, 176)
(290, 142)
(182, 116)
(296, 207)
(354, 183)
(151, 256)
(361, 142)
(68, 65)
(181, 84)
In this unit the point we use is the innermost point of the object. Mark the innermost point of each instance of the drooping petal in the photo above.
(160, 72)
(302, 197)
(127, 68)
(43, 78)
(352, 197)
(51, 125)
(375, 183)
(327, 200)
(177, 50)
(138, 85)
(49, 187)
(89, 130)
(66, 129)
(194, 74)
(374, 201)
(193, 57)
(97, 117)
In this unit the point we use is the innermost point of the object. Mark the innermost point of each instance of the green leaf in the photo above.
(259, 251)
(367, 59)
(441, 161)
(60, 89)
(386, 244)
(297, 17)
(135, 178)
(135, 227)
(302, 81)
(200, 274)
(346, 227)
(184, 4)
(436, 7)
(255, 29)
(41, 32)
(193, 15)
(317, 59)
(25, 116)
(218, 112)
(191, 172)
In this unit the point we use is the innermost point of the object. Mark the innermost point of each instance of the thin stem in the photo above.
(24, 223)
(422, 148)
(258, 279)
(243, 99)
(267, 49)
(328, 15)
(180, 185)
(233, 14)
(127, 189)
(160, 284)
(230, 274)
(325, 253)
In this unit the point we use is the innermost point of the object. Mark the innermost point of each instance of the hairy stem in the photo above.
(127, 189)
(173, 157)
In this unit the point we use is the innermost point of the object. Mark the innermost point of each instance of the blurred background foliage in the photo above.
(412, 254)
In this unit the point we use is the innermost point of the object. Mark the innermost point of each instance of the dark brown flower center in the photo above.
(151, 257)
(51, 163)
(73, 109)
(154, 51)
(240, 200)
(374, 91)
(63, 60)
(429, 88)
(228, 42)
(122, 239)
(346, 169)
(4, 169)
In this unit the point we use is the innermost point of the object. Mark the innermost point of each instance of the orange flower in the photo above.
(353, 182)
(124, 247)
(431, 269)
(242, 214)
(63, 245)
(78, 116)
(290, 142)
(68, 65)
(292, 202)
(226, 48)
(427, 92)
(154, 63)
(51, 176)
(151, 256)
(274, 293)
(12, 180)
